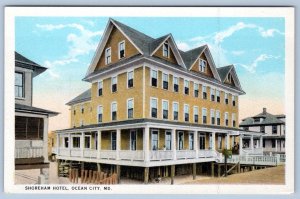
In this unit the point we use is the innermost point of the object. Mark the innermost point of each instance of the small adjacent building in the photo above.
(31, 123)
(273, 127)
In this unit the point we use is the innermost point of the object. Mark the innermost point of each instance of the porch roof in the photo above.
(32, 109)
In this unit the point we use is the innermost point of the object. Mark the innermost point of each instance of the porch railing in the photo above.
(254, 151)
(186, 154)
(76, 152)
(29, 152)
(90, 153)
(131, 155)
(254, 160)
(161, 155)
(108, 154)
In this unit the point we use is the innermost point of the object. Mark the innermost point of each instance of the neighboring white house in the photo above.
(274, 128)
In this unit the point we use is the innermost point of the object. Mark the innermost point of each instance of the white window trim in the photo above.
(112, 140)
(120, 49)
(184, 86)
(100, 81)
(191, 133)
(168, 49)
(162, 80)
(212, 89)
(150, 112)
(200, 69)
(174, 83)
(203, 115)
(151, 77)
(212, 110)
(111, 83)
(203, 91)
(226, 94)
(132, 107)
(128, 78)
(162, 108)
(194, 113)
(71, 141)
(156, 130)
(90, 141)
(173, 110)
(233, 119)
(178, 140)
(111, 109)
(130, 145)
(99, 113)
(168, 131)
(226, 113)
(106, 55)
(184, 111)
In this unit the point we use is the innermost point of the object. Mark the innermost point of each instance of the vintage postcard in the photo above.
(122, 100)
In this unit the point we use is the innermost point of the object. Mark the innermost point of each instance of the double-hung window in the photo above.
(107, 55)
(154, 140)
(204, 92)
(165, 81)
(113, 140)
(114, 111)
(100, 88)
(154, 78)
(218, 95)
(100, 113)
(262, 129)
(130, 106)
(204, 115)
(133, 140)
(19, 85)
(226, 98)
(76, 142)
(87, 141)
(165, 109)
(153, 105)
(121, 49)
(186, 113)
(130, 79)
(191, 141)
(186, 87)
(218, 117)
(226, 119)
(196, 114)
(212, 94)
(166, 49)
(233, 100)
(168, 140)
(82, 109)
(175, 110)
(212, 116)
(114, 82)
(175, 84)
(196, 89)
(202, 65)
(233, 120)
(274, 129)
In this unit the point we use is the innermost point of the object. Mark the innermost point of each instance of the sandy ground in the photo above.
(273, 175)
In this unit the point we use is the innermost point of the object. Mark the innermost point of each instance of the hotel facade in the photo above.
(151, 107)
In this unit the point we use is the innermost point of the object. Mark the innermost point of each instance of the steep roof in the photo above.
(266, 119)
(223, 71)
(83, 97)
(23, 62)
(190, 56)
(156, 42)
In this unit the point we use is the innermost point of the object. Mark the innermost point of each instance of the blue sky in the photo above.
(66, 46)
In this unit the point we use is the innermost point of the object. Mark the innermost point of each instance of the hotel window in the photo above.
(274, 129)
(204, 92)
(76, 142)
(204, 115)
(226, 119)
(154, 78)
(233, 100)
(218, 117)
(130, 79)
(273, 143)
(132, 140)
(202, 65)
(218, 95)
(186, 87)
(191, 141)
(165, 109)
(82, 109)
(196, 114)
(154, 140)
(168, 140)
(202, 141)
(113, 140)
(175, 110)
(196, 89)
(212, 94)
(180, 140)
(219, 142)
(19, 85)
(114, 111)
(186, 113)
(175, 84)
(130, 107)
(100, 88)
(121, 49)
(233, 120)
(114, 82)
(108, 55)
(153, 107)
(262, 129)
(87, 141)
(66, 142)
(212, 116)
(100, 113)
(166, 49)
(74, 112)
(165, 81)
(226, 98)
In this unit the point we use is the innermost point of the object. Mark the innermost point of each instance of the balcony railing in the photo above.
(254, 151)
(131, 155)
(90, 153)
(185, 154)
(108, 154)
(255, 160)
(29, 152)
(161, 155)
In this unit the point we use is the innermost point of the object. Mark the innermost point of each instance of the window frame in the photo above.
(22, 86)
(151, 72)
(131, 141)
(131, 71)
(204, 91)
(226, 119)
(191, 141)
(218, 96)
(218, 119)
(175, 77)
(128, 100)
(212, 117)
(153, 98)
(119, 49)
(212, 94)
(168, 132)
(111, 110)
(184, 87)
(188, 106)
(112, 83)
(196, 90)
(178, 143)
(107, 56)
(204, 115)
(154, 131)
(162, 109)
(166, 50)
(196, 107)
(162, 81)
(202, 68)
(100, 84)
(233, 120)
(174, 111)
(100, 107)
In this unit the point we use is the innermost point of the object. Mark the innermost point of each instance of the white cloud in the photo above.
(269, 32)
(183, 45)
(237, 52)
(261, 58)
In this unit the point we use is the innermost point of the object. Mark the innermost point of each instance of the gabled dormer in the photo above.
(200, 60)
(228, 76)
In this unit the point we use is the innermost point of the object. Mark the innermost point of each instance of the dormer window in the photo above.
(229, 78)
(166, 49)
(19, 85)
(202, 65)
(121, 49)
(256, 120)
(108, 55)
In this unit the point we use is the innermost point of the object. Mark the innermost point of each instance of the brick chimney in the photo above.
(264, 110)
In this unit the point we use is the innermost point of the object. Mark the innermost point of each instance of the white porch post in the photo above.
(241, 145)
(98, 144)
(118, 147)
(174, 143)
(45, 140)
(276, 145)
(213, 140)
(261, 141)
(251, 143)
(227, 141)
(57, 143)
(146, 143)
(196, 147)
(82, 143)
(70, 143)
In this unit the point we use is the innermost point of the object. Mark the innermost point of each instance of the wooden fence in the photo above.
(92, 177)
